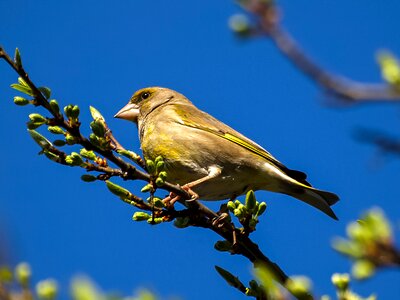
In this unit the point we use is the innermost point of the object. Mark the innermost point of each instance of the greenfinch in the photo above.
(213, 160)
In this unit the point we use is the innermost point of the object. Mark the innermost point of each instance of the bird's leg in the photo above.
(213, 172)
(170, 200)
(224, 218)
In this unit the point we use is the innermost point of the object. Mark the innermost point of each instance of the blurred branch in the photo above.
(383, 141)
(370, 243)
(267, 17)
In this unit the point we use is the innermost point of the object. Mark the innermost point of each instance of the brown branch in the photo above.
(268, 25)
(201, 214)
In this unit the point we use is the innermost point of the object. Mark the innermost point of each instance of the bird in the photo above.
(209, 158)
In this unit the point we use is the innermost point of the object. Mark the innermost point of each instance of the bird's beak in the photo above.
(129, 112)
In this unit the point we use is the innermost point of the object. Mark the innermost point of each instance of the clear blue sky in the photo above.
(99, 52)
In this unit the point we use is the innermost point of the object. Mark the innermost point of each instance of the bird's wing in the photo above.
(192, 117)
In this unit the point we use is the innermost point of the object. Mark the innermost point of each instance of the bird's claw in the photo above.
(193, 194)
(170, 200)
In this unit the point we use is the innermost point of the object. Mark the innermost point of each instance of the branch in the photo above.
(200, 215)
(267, 24)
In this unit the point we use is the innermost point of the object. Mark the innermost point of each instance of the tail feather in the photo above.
(321, 200)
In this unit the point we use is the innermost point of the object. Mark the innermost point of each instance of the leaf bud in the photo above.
(47, 289)
(56, 130)
(89, 154)
(146, 188)
(21, 101)
(223, 246)
(231, 206)
(181, 222)
(23, 274)
(150, 166)
(141, 216)
(88, 178)
(55, 108)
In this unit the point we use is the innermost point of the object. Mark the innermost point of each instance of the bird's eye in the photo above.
(145, 95)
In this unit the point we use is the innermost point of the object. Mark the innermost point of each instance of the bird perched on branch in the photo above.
(207, 157)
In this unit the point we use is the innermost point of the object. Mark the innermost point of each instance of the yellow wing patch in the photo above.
(234, 139)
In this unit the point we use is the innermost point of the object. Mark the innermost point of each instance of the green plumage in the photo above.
(195, 145)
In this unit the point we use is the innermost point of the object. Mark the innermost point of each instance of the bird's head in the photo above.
(145, 101)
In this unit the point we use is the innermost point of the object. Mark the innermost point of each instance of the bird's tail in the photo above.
(317, 198)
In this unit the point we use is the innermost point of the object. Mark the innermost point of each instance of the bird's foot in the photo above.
(193, 194)
(170, 200)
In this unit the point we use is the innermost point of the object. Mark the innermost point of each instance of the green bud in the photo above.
(261, 209)
(141, 216)
(341, 281)
(231, 206)
(47, 289)
(129, 154)
(56, 130)
(239, 24)
(390, 68)
(157, 202)
(250, 201)
(299, 286)
(160, 165)
(238, 213)
(160, 182)
(359, 232)
(146, 188)
(37, 118)
(22, 82)
(75, 112)
(181, 222)
(70, 140)
(98, 128)
(68, 110)
(158, 159)
(94, 140)
(151, 167)
(96, 115)
(155, 221)
(349, 248)
(378, 225)
(89, 154)
(21, 101)
(230, 278)
(22, 88)
(117, 190)
(33, 125)
(23, 274)
(237, 203)
(6, 275)
(88, 178)
(40, 139)
(223, 246)
(54, 106)
(163, 175)
(74, 159)
(363, 269)
(17, 58)
(46, 92)
(59, 143)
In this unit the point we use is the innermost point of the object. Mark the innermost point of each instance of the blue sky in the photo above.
(98, 53)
